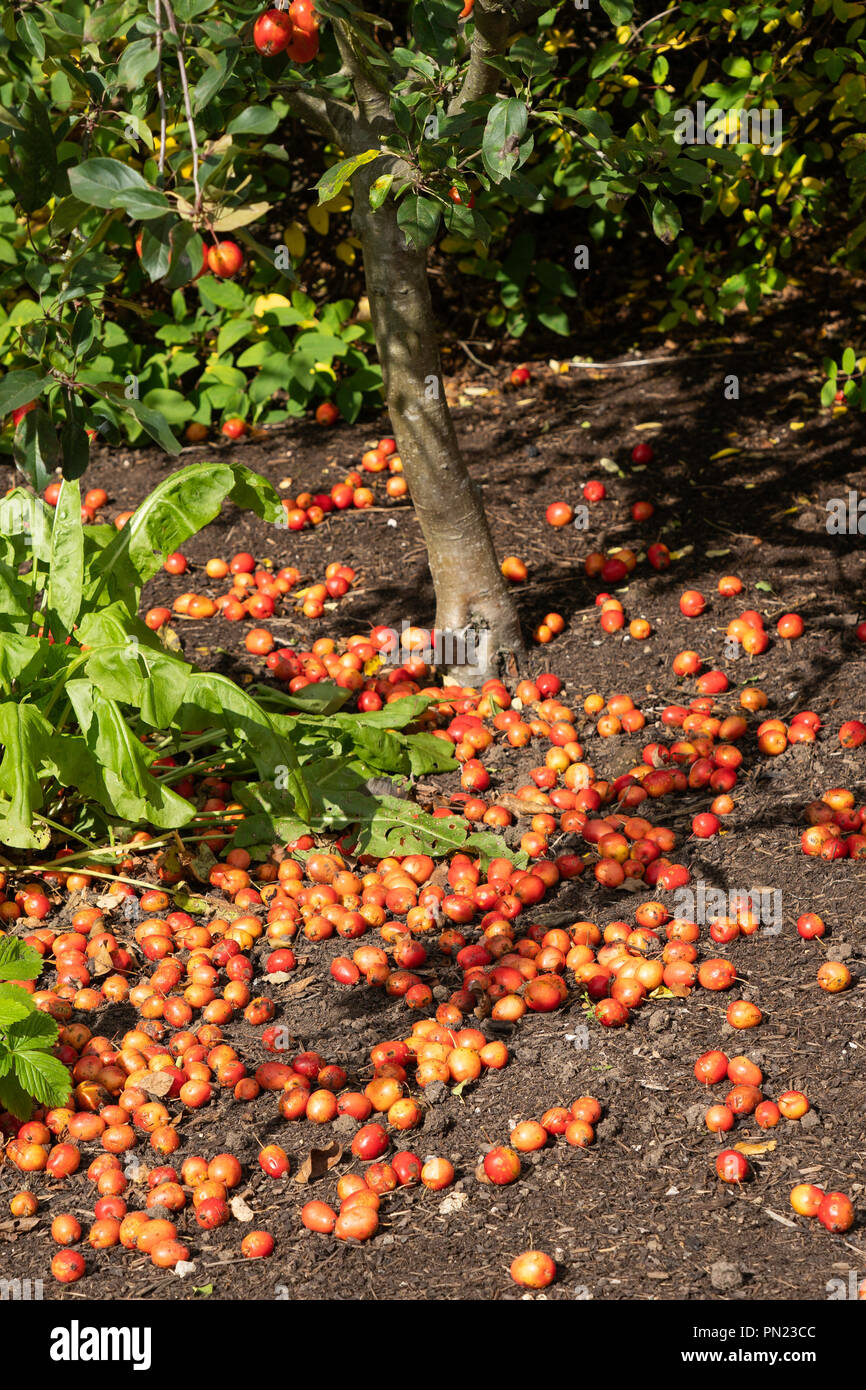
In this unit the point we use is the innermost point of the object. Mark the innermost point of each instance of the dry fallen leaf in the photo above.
(299, 986)
(100, 962)
(157, 1084)
(453, 1203)
(523, 805)
(110, 900)
(318, 1162)
(767, 1147)
(240, 1210)
(10, 1230)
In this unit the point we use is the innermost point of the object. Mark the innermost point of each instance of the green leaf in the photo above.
(31, 35)
(618, 11)
(21, 658)
(490, 846)
(232, 709)
(33, 174)
(594, 121)
(107, 183)
(22, 514)
(154, 424)
(221, 293)
(381, 187)
(36, 448)
(120, 761)
(418, 219)
(14, 1005)
(36, 1030)
(66, 574)
(666, 220)
(173, 406)
(322, 698)
(849, 361)
(42, 1076)
(134, 673)
(13, 1098)
(400, 827)
(137, 60)
(339, 174)
(20, 388)
(18, 961)
(74, 444)
(255, 120)
(178, 507)
(503, 135)
(222, 65)
(24, 734)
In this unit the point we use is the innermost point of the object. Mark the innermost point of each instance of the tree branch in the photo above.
(160, 86)
(373, 102)
(326, 115)
(495, 22)
(187, 102)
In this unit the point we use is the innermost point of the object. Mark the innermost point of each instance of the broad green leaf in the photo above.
(666, 220)
(339, 174)
(20, 388)
(418, 219)
(42, 1076)
(18, 961)
(12, 1097)
(21, 657)
(231, 708)
(594, 121)
(120, 762)
(503, 134)
(30, 34)
(255, 120)
(74, 443)
(66, 573)
(22, 514)
(173, 406)
(33, 173)
(381, 187)
(36, 1030)
(24, 735)
(180, 506)
(108, 183)
(154, 423)
(36, 448)
(137, 60)
(152, 681)
(14, 1005)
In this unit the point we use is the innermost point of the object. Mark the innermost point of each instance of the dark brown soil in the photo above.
(641, 1214)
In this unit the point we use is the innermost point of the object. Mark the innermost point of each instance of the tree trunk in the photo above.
(474, 609)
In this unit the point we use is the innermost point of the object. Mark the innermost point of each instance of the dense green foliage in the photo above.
(582, 135)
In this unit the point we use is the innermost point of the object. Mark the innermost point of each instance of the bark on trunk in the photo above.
(472, 597)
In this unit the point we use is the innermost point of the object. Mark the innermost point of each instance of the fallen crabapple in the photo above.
(836, 1212)
(732, 1166)
(533, 1270)
(806, 1199)
(501, 1164)
(558, 514)
(833, 976)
